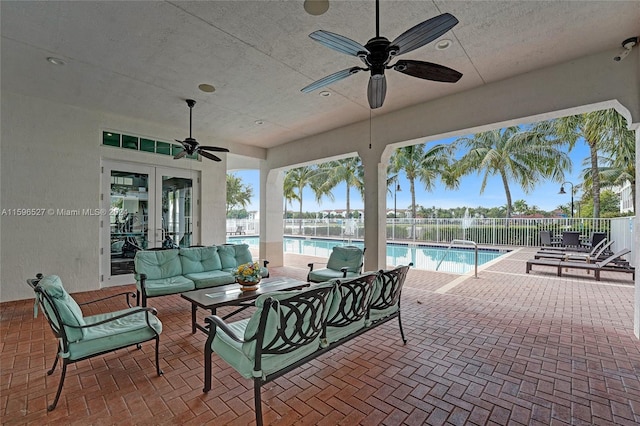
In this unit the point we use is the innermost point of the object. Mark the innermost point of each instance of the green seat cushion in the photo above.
(380, 292)
(377, 314)
(70, 312)
(158, 264)
(349, 256)
(241, 356)
(115, 334)
(172, 285)
(227, 253)
(199, 259)
(321, 275)
(211, 278)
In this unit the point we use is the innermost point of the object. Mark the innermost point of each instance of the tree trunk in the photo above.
(507, 192)
(348, 203)
(595, 178)
(412, 188)
(300, 217)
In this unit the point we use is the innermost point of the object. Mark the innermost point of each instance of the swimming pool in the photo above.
(457, 260)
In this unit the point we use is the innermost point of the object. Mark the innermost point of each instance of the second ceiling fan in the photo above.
(379, 52)
(191, 146)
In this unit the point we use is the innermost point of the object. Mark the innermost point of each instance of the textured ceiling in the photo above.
(142, 59)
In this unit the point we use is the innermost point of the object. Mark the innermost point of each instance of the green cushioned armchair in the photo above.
(81, 337)
(344, 262)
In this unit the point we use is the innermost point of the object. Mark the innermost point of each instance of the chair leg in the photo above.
(55, 362)
(207, 368)
(138, 297)
(257, 397)
(158, 370)
(64, 373)
(401, 331)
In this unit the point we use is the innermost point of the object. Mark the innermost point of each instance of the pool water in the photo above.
(456, 260)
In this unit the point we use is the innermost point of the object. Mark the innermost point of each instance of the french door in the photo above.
(145, 207)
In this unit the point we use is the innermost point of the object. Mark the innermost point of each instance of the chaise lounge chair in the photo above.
(605, 265)
(599, 252)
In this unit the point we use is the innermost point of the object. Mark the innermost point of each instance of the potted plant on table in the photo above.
(248, 275)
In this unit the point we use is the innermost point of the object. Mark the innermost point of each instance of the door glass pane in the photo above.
(128, 219)
(177, 226)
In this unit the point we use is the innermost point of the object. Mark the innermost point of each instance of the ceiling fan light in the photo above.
(206, 88)
(316, 7)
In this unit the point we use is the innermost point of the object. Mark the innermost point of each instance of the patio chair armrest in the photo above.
(344, 270)
(265, 262)
(215, 322)
(310, 265)
(128, 294)
(153, 311)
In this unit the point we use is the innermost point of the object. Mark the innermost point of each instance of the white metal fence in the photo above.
(492, 232)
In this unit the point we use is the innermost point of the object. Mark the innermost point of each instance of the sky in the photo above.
(545, 196)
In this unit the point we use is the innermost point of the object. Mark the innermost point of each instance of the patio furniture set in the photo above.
(293, 322)
(573, 255)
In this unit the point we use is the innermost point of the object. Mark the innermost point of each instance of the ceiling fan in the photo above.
(191, 146)
(379, 51)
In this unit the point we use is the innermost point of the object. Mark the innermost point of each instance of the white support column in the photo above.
(271, 214)
(636, 233)
(375, 199)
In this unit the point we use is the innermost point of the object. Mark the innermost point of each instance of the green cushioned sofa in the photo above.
(172, 271)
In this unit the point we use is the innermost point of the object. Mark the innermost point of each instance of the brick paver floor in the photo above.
(504, 348)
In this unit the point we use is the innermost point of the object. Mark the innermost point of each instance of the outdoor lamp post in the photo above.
(562, 192)
(395, 204)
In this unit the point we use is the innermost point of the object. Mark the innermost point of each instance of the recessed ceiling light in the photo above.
(443, 44)
(207, 88)
(55, 61)
(316, 7)
(325, 93)
(259, 122)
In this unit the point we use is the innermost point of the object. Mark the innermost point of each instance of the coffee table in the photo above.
(231, 295)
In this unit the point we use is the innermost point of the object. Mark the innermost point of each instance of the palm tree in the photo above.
(295, 180)
(522, 157)
(238, 194)
(426, 167)
(598, 128)
(619, 160)
(347, 170)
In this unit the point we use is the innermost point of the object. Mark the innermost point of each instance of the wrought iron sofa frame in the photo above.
(347, 313)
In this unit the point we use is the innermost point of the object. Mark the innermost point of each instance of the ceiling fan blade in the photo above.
(209, 156)
(214, 148)
(337, 42)
(179, 155)
(427, 71)
(336, 76)
(376, 91)
(424, 33)
(180, 142)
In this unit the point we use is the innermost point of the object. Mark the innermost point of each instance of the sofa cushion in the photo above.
(242, 355)
(351, 257)
(164, 286)
(124, 331)
(199, 259)
(158, 264)
(243, 255)
(350, 300)
(227, 253)
(69, 310)
(211, 278)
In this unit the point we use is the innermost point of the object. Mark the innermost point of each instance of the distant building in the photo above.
(626, 201)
